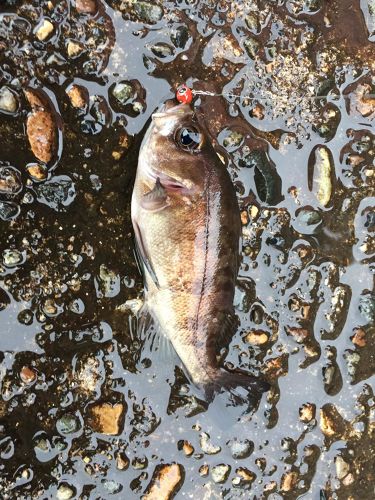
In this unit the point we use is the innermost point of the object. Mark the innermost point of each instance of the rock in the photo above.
(8, 100)
(232, 140)
(68, 424)
(360, 103)
(58, 192)
(180, 37)
(342, 468)
(252, 47)
(49, 308)
(207, 446)
(74, 49)
(12, 258)
(108, 282)
(78, 95)
(204, 470)
(27, 375)
(352, 360)
(41, 126)
(37, 172)
(112, 486)
(321, 172)
(245, 474)
(220, 473)
(298, 334)
(307, 412)
(307, 220)
(367, 306)
(86, 6)
(186, 447)
(65, 491)
(148, 12)
(44, 30)
(25, 317)
(10, 180)
(165, 482)
(107, 418)
(359, 337)
(288, 481)
(241, 449)
(122, 461)
(331, 422)
(161, 49)
(256, 337)
(122, 91)
(9, 210)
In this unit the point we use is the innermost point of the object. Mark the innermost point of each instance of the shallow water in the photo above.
(304, 172)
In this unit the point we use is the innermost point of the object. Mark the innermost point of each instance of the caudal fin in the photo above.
(224, 380)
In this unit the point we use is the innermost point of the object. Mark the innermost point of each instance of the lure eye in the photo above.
(189, 138)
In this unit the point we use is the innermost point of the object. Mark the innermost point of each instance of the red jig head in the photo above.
(184, 94)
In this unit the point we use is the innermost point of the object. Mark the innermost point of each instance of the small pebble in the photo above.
(342, 468)
(12, 258)
(220, 473)
(65, 492)
(45, 30)
(207, 446)
(307, 412)
(27, 375)
(8, 101)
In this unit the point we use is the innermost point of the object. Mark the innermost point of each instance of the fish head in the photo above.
(176, 151)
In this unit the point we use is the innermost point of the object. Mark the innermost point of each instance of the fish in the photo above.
(187, 227)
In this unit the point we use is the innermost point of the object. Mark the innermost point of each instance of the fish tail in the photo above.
(224, 380)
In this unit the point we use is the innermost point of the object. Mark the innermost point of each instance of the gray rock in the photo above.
(65, 491)
(57, 193)
(10, 180)
(122, 91)
(68, 424)
(147, 12)
(8, 100)
(12, 258)
(9, 210)
(220, 473)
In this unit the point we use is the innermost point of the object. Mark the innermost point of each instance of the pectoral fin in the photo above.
(156, 199)
(143, 255)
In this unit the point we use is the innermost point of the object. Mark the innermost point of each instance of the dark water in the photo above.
(304, 171)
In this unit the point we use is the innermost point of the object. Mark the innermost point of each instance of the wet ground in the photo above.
(87, 409)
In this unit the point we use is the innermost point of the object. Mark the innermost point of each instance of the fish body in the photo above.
(187, 226)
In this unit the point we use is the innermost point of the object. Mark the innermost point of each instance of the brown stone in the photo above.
(244, 217)
(165, 482)
(27, 375)
(187, 448)
(256, 337)
(298, 334)
(41, 126)
(332, 423)
(107, 418)
(87, 6)
(307, 412)
(288, 481)
(361, 102)
(78, 95)
(37, 172)
(359, 337)
(245, 474)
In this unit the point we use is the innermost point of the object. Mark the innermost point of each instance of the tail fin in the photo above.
(224, 380)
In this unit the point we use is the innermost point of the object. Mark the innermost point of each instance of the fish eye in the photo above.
(188, 138)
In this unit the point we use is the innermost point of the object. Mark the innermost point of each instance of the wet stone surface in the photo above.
(87, 409)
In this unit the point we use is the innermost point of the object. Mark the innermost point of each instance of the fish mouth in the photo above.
(168, 182)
